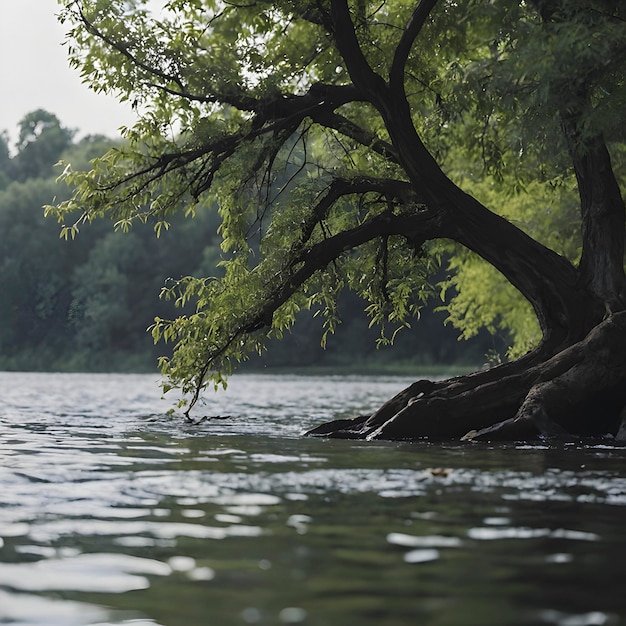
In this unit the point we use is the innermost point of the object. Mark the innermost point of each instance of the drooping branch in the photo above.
(304, 259)
(276, 118)
(272, 107)
(124, 49)
(409, 219)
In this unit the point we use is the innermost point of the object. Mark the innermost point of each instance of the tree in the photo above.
(41, 142)
(356, 145)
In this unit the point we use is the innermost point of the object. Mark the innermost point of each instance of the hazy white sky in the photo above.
(34, 74)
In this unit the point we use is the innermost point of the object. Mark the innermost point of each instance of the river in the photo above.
(115, 512)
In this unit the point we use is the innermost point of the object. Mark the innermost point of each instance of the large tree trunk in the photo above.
(574, 383)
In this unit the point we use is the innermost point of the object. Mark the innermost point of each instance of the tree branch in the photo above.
(362, 75)
(411, 31)
(348, 128)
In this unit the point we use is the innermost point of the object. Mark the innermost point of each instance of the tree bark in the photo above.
(603, 218)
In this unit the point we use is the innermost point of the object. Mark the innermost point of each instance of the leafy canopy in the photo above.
(253, 106)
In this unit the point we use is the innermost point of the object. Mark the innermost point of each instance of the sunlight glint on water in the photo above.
(113, 512)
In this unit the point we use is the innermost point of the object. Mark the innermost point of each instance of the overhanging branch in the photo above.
(413, 221)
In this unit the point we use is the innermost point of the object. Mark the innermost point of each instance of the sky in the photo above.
(34, 74)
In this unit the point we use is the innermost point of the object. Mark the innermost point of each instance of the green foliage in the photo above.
(256, 107)
(504, 73)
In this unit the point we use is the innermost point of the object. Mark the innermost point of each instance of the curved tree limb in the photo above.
(410, 34)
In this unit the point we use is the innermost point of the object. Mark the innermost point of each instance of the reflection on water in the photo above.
(113, 512)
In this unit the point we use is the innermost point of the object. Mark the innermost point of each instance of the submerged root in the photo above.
(578, 392)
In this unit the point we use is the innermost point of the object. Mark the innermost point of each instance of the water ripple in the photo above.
(104, 493)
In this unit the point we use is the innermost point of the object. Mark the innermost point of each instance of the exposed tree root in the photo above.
(579, 391)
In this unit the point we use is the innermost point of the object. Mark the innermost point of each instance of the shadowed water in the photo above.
(113, 512)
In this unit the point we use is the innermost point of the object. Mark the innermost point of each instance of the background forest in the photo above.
(85, 304)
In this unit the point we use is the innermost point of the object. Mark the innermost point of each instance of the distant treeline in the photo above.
(85, 304)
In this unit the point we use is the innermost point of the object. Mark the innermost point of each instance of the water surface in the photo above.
(114, 512)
